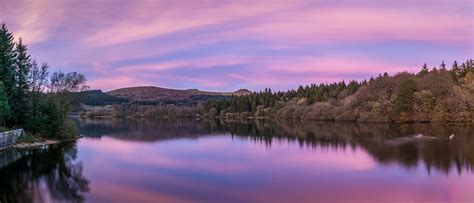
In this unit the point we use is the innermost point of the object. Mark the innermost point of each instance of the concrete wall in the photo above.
(9, 138)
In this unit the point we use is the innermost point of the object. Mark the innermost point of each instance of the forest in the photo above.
(30, 97)
(436, 94)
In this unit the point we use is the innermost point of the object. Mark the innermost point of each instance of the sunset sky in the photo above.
(227, 45)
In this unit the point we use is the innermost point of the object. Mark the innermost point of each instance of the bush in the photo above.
(51, 121)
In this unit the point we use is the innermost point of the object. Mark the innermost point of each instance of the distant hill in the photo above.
(151, 93)
(93, 98)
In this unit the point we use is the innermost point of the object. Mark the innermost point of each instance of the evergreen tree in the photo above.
(22, 65)
(442, 66)
(405, 96)
(300, 91)
(4, 106)
(466, 68)
(424, 70)
(21, 89)
(353, 86)
(311, 99)
(455, 65)
(7, 58)
(456, 71)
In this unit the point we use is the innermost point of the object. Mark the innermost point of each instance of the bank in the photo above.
(19, 139)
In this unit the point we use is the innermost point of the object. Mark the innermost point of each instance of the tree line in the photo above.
(31, 97)
(433, 94)
(269, 99)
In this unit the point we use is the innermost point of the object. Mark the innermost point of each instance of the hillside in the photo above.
(151, 93)
(438, 94)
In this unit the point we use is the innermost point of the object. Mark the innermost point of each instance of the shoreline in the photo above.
(42, 143)
(239, 119)
(35, 144)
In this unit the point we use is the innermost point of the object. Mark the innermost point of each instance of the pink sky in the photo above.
(228, 45)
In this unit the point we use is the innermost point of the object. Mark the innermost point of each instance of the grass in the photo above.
(28, 138)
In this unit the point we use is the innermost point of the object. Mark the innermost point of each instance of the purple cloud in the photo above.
(223, 46)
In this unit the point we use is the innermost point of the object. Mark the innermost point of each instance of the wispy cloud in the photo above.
(225, 45)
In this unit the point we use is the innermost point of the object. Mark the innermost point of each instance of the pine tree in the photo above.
(456, 71)
(300, 91)
(4, 106)
(455, 65)
(442, 66)
(22, 66)
(404, 102)
(424, 70)
(467, 67)
(7, 58)
(352, 87)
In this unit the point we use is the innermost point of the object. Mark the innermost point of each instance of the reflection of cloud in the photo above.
(153, 155)
(236, 170)
(111, 146)
(332, 159)
(461, 189)
(109, 192)
(158, 155)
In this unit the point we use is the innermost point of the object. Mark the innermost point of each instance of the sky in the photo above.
(222, 45)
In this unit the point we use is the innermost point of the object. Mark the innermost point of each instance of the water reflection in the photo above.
(146, 130)
(47, 174)
(284, 161)
(386, 143)
(382, 141)
(217, 161)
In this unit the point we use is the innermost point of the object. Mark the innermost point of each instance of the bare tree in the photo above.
(38, 82)
(67, 82)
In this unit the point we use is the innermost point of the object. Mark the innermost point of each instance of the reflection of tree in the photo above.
(145, 129)
(49, 174)
(441, 153)
(377, 139)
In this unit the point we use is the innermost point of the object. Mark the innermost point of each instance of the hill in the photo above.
(147, 101)
(94, 98)
(151, 93)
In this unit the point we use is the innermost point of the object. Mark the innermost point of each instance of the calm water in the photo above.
(196, 161)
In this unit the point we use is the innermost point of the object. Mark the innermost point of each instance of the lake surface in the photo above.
(286, 161)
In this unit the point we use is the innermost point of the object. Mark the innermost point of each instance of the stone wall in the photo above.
(9, 138)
